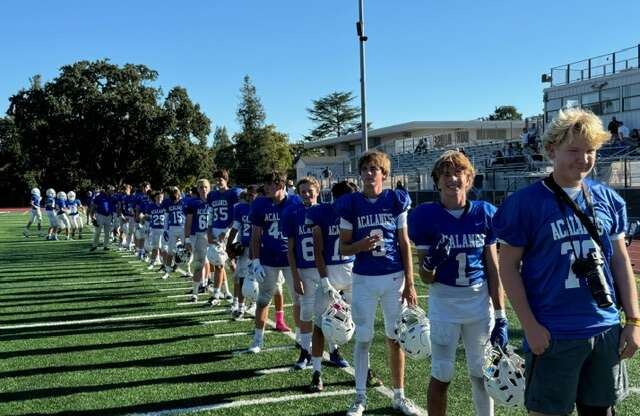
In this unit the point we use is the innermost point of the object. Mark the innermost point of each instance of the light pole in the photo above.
(363, 84)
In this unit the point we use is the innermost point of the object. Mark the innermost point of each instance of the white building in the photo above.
(608, 85)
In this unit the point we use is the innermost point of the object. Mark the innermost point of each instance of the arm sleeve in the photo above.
(401, 220)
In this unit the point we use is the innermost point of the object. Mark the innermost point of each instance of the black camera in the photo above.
(590, 268)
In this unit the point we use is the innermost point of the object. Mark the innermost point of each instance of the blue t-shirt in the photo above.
(104, 205)
(265, 214)
(61, 205)
(294, 225)
(241, 215)
(140, 201)
(35, 201)
(371, 218)
(73, 206)
(326, 217)
(222, 207)
(174, 211)
(155, 213)
(531, 218)
(199, 209)
(469, 234)
(128, 203)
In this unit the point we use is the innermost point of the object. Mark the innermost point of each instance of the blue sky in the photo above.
(426, 60)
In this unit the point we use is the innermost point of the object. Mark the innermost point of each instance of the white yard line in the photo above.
(242, 403)
(225, 321)
(278, 370)
(635, 390)
(175, 289)
(102, 320)
(186, 295)
(233, 334)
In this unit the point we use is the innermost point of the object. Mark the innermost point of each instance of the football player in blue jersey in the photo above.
(35, 214)
(564, 266)
(101, 213)
(174, 207)
(241, 234)
(195, 231)
(61, 213)
(221, 200)
(334, 272)
(301, 261)
(75, 219)
(125, 217)
(458, 257)
(373, 226)
(140, 200)
(155, 216)
(269, 250)
(49, 208)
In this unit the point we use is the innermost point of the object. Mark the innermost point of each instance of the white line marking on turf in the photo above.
(226, 321)
(180, 296)
(175, 289)
(101, 320)
(270, 349)
(253, 402)
(233, 334)
(277, 370)
(635, 390)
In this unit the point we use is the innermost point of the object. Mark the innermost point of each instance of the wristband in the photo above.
(500, 314)
(632, 321)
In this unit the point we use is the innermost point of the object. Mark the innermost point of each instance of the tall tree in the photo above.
(334, 115)
(259, 148)
(505, 112)
(101, 123)
(224, 150)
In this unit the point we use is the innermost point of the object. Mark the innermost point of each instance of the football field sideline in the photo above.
(97, 333)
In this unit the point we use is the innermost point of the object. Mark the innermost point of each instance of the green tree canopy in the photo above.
(334, 115)
(505, 112)
(99, 123)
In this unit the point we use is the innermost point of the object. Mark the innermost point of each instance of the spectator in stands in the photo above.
(634, 139)
(400, 186)
(623, 132)
(533, 136)
(518, 149)
(613, 129)
(509, 151)
(524, 137)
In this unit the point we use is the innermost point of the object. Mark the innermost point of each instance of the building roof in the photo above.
(418, 125)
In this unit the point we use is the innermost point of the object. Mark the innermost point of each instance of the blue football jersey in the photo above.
(241, 216)
(375, 218)
(155, 213)
(265, 214)
(61, 205)
(49, 203)
(469, 234)
(140, 201)
(128, 203)
(552, 239)
(199, 209)
(104, 205)
(222, 206)
(326, 217)
(73, 206)
(294, 225)
(174, 212)
(35, 201)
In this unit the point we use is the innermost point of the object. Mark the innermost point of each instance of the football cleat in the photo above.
(182, 255)
(503, 374)
(255, 347)
(413, 332)
(217, 255)
(337, 359)
(358, 407)
(316, 385)
(337, 325)
(404, 405)
(373, 380)
(303, 360)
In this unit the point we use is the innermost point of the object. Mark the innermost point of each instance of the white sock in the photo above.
(305, 341)
(361, 365)
(481, 400)
(195, 286)
(317, 363)
(226, 286)
(298, 335)
(258, 335)
(398, 393)
(332, 348)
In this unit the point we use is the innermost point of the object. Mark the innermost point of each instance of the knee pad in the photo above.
(306, 310)
(442, 370)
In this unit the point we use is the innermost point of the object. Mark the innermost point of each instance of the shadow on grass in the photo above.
(187, 402)
(79, 298)
(69, 290)
(135, 305)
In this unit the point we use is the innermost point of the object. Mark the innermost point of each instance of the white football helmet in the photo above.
(35, 191)
(250, 288)
(503, 374)
(217, 255)
(51, 192)
(71, 196)
(182, 255)
(413, 332)
(337, 324)
(61, 195)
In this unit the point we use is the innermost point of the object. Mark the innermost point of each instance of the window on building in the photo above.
(554, 104)
(631, 100)
(551, 115)
(491, 134)
(590, 98)
(462, 136)
(571, 101)
(611, 106)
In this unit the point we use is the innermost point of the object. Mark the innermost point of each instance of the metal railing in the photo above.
(596, 67)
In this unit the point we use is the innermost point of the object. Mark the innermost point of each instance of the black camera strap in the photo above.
(562, 197)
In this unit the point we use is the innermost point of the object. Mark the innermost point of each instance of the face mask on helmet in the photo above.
(337, 324)
(71, 196)
(51, 192)
(503, 374)
(413, 332)
(217, 255)
(35, 191)
(61, 195)
(250, 288)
